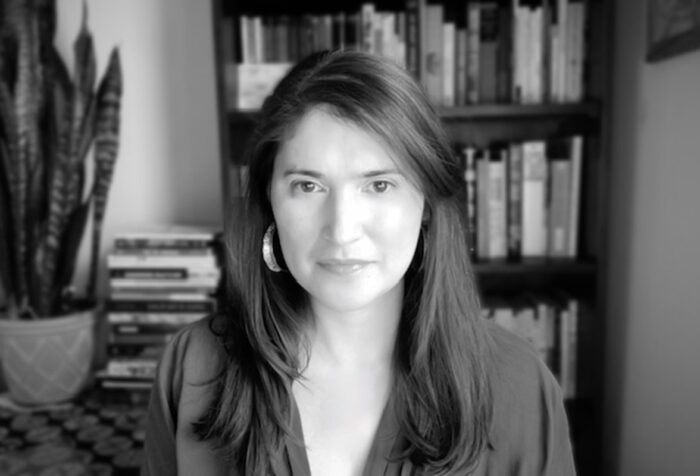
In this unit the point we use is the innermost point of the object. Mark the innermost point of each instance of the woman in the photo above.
(352, 341)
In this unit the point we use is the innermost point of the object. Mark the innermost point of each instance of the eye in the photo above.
(305, 186)
(380, 186)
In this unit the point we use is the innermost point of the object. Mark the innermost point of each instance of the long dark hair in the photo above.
(443, 397)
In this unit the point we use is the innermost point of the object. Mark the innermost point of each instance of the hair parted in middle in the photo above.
(442, 395)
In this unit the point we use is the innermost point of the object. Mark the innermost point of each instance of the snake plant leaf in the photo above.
(107, 125)
(25, 107)
(69, 251)
(7, 276)
(59, 195)
(8, 148)
(84, 81)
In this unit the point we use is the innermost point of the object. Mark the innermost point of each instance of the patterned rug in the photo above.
(101, 433)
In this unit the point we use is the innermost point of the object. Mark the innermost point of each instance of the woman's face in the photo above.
(348, 218)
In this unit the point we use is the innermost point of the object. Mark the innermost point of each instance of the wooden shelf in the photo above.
(577, 277)
(542, 266)
(481, 112)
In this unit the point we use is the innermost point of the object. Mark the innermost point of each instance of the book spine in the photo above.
(131, 367)
(146, 262)
(207, 283)
(433, 53)
(448, 62)
(471, 191)
(161, 306)
(258, 40)
(148, 273)
(575, 199)
(497, 203)
(162, 243)
(515, 180)
(534, 211)
(482, 202)
(559, 185)
(135, 350)
(504, 56)
(473, 62)
(488, 37)
(413, 38)
(367, 13)
(461, 53)
(144, 328)
(139, 339)
(135, 317)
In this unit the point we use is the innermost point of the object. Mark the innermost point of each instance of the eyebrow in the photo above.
(318, 175)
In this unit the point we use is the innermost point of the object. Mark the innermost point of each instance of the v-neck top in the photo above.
(529, 434)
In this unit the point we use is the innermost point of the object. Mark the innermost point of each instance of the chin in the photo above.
(346, 297)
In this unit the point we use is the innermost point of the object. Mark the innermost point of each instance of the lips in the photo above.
(343, 266)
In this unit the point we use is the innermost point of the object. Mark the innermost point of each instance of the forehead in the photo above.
(322, 140)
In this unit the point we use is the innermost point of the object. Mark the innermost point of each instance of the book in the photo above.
(504, 56)
(135, 317)
(558, 151)
(448, 64)
(253, 82)
(367, 14)
(209, 283)
(164, 252)
(176, 274)
(135, 350)
(142, 260)
(498, 246)
(151, 306)
(514, 219)
(413, 51)
(534, 200)
(432, 49)
(131, 367)
(575, 199)
(157, 295)
(461, 55)
(471, 191)
(488, 41)
(473, 21)
(145, 328)
(167, 237)
(483, 227)
(139, 339)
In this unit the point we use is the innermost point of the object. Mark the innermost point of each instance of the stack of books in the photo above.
(160, 281)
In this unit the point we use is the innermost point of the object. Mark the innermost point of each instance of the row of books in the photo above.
(529, 51)
(550, 324)
(523, 199)
(160, 281)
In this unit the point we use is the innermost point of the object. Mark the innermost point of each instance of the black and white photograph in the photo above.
(352, 238)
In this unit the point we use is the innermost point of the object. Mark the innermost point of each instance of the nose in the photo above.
(344, 217)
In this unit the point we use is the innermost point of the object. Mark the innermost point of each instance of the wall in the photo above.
(653, 351)
(168, 165)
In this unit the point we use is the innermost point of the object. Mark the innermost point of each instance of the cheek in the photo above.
(399, 233)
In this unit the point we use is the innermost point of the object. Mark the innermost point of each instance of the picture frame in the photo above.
(673, 28)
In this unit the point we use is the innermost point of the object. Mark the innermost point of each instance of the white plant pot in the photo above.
(47, 360)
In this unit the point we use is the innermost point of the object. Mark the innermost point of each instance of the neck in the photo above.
(356, 338)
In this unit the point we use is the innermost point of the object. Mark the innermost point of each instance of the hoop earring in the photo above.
(268, 250)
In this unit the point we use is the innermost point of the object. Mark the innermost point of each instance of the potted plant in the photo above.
(50, 124)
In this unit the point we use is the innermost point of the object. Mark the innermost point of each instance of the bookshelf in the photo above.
(480, 124)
